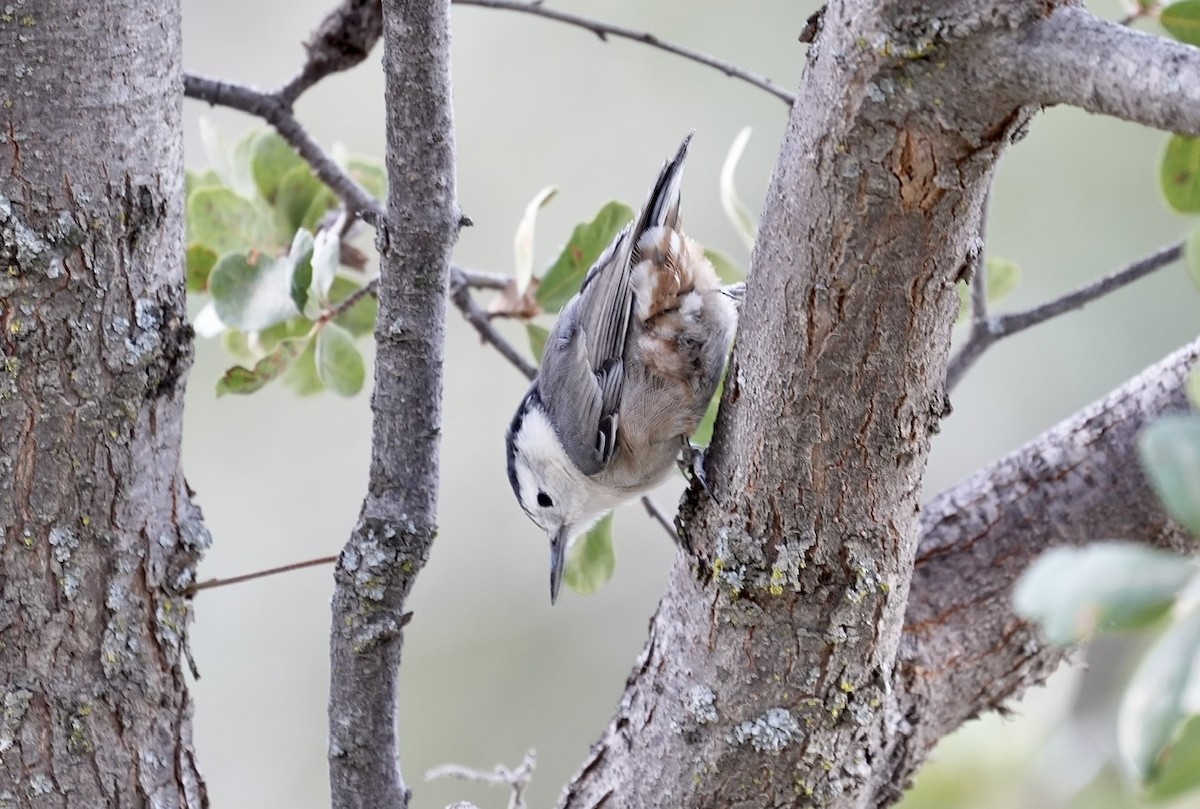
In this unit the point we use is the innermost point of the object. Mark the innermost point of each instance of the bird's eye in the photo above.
(544, 500)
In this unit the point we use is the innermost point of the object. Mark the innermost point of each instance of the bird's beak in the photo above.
(558, 558)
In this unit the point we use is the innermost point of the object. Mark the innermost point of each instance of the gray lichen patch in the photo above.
(700, 703)
(12, 712)
(65, 543)
(769, 733)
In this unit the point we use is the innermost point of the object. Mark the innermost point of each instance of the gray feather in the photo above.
(583, 368)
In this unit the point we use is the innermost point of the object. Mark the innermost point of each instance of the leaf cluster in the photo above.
(265, 247)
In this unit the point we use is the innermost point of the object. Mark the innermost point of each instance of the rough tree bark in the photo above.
(774, 673)
(98, 537)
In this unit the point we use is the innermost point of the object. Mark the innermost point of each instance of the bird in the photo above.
(626, 375)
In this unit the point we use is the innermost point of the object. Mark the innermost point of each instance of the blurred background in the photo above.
(490, 670)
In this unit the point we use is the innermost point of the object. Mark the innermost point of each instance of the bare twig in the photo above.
(369, 288)
(604, 30)
(343, 39)
(996, 328)
(460, 293)
(516, 779)
(259, 574)
(481, 279)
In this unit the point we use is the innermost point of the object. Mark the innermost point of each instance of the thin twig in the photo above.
(369, 288)
(653, 509)
(482, 279)
(460, 293)
(515, 779)
(1006, 325)
(278, 114)
(604, 30)
(259, 574)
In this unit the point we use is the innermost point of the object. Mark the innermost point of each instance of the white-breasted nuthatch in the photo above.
(626, 375)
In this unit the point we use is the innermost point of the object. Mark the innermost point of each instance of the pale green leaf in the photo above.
(1156, 726)
(1170, 453)
(590, 560)
(252, 292)
(1003, 276)
(1180, 173)
(727, 269)
(301, 257)
(1193, 387)
(270, 159)
(325, 256)
(248, 380)
(339, 363)
(537, 340)
(301, 199)
(587, 242)
(224, 222)
(1182, 21)
(1191, 255)
(359, 319)
(200, 261)
(1076, 592)
(737, 212)
(523, 238)
(302, 377)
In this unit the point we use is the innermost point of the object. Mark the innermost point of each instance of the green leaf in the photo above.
(704, 430)
(300, 199)
(339, 364)
(369, 174)
(247, 380)
(1182, 21)
(537, 340)
(1191, 255)
(737, 212)
(1170, 453)
(1180, 173)
(270, 159)
(198, 179)
(591, 561)
(1158, 737)
(219, 152)
(727, 269)
(1193, 387)
(523, 238)
(1002, 278)
(224, 222)
(302, 377)
(252, 292)
(301, 257)
(359, 319)
(200, 261)
(587, 242)
(1076, 592)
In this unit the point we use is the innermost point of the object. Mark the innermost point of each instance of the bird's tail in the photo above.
(662, 206)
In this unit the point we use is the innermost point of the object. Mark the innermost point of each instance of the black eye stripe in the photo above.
(544, 500)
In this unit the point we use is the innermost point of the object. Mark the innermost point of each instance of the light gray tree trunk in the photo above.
(98, 537)
(806, 656)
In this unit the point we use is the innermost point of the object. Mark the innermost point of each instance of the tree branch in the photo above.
(987, 330)
(965, 651)
(278, 114)
(343, 39)
(391, 541)
(1073, 57)
(603, 30)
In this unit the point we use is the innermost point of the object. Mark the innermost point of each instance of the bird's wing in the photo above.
(583, 368)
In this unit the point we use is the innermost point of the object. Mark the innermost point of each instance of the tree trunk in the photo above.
(98, 537)
(775, 673)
